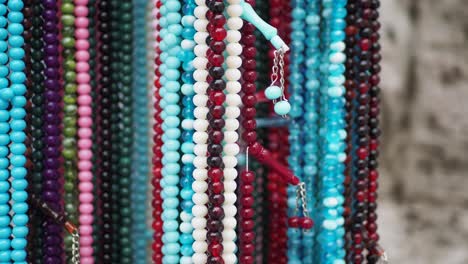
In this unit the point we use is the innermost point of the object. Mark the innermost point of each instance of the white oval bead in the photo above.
(200, 210)
(200, 137)
(231, 136)
(234, 10)
(232, 112)
(199, 186)
(233, 74)
(229, 258)
(229, 222)
(231, 126)
(199, 246)
(231, 149)
(234, 48)
(234, 23)
(233, 87)
(200, 258)
(233, 61)
(230, 186)
(233, 36)
(229, 235)
(230, 174)
(200, 112)
(199, 234)
(200, 11)
(229, 246)
(229, 198)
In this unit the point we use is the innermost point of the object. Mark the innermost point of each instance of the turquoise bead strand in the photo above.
(17, 147)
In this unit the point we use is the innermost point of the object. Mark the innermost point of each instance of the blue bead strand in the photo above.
(311, 97)
(332, 133)
(170, 33)
(17, 148)
(5, 96)
(296, 143)
(140, 156)
(186, 56)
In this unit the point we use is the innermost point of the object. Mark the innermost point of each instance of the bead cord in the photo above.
(311, 126)
(296, 136)
(157, 201)
(186, 239)
(69, 119)
(125, 129)
(359, 59)
(374, 251)
(247, 235)
(200, 137)
(233, 62)
(216, 123)
(171, 31)
(103, 129)
(52, 186)
(140, 136)
(85, 122)
(332, 133)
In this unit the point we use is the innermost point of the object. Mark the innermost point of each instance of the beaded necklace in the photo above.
(216, 123)
(200, 137)
(52, 249)
(157, 149)
(69, 120)
(103, 137)
(332, 133)
(17, 136)
(375, 252)
(85, 154)
(186, 193)
(140, 136)
(32, 12)
(170, 62)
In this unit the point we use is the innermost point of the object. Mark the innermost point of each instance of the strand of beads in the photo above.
(374, 90)
(170, 47)
(157, 201)
(52, 248)
(140, 137)
(216, 123)
(69, 124)
(104, 152)
(360, 62)
(125, 130)
(332, 133)
(296, 142)
(231, 136)
(200, 137)
(311, 97)
(187, 44)
(5, 252)
(249, 135)
(17, 148)
(36, 123)
(85, 154)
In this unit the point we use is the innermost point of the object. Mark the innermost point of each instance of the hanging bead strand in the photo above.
(85, 154)
(249, 135)
(52, 163)
(186, 239)
(374, 91)
(200, 137)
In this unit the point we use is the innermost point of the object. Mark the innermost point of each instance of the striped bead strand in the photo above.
(85, 122)
(186, 239)
(200, 137)
(231, 136)
(52, 165)
(170, 47)
(17, 148)
(140, 136)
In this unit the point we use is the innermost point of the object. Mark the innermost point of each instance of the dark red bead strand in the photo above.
(216, 123)
(373, 249)
(157, 201)
(249, 135)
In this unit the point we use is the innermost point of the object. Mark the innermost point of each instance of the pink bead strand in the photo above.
(85, 154)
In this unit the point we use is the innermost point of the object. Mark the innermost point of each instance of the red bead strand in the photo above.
(157, 224)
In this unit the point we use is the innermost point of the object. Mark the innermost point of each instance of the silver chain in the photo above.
(75, 247)
(277, 71)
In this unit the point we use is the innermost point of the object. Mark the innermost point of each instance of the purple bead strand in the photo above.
(52, 183)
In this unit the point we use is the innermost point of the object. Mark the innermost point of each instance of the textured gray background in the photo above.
(424, 182)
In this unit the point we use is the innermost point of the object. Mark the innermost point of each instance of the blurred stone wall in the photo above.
(424, 179)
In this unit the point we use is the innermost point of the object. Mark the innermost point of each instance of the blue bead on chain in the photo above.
(296, 143)
(186, 56)
(17, 148)
(140, 156)
(332, 133)
(311, 108)
(171, 31)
